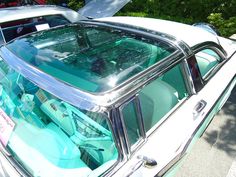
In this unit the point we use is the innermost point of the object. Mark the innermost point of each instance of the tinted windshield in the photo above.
(48, 136)
(14, 29)
(92, 58)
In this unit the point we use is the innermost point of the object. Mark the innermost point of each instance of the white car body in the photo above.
(170, 138)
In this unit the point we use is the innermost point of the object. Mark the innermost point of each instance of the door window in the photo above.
(207, 60)
(159, 97)
(131, 122)
(156, 100)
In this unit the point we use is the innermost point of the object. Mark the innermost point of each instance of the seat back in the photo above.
(157, 99)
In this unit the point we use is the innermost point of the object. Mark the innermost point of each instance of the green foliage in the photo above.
(187, 11)
(75, 4)
(226, 27)
(72, 4)
(220, 13)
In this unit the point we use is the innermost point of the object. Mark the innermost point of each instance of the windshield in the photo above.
(48, 136)
(90, 57)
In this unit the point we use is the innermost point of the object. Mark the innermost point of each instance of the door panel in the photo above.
(172, 137)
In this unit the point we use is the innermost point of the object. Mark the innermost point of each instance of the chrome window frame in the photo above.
(188, 84)
(132, 149)
(3, 37)
(218, 50)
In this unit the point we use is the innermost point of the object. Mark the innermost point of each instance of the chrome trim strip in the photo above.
(188, 78)
(77, 97)
(18, 169)
(126, 139)
(134, 29)
(210, 45)
(3, 37)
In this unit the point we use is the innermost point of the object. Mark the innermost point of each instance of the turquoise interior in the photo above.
(207, 60)
(52, 135)
(156, 100)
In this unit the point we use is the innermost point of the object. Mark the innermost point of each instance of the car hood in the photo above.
(102, 8)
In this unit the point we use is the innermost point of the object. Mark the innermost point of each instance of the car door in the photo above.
(172, 117)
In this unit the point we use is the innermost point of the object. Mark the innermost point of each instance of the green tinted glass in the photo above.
(48, 136)
(92, 58)
(161, 95)
(207, 59)
(130, 117)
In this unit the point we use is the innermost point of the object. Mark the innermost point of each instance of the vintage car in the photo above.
(116, 96)
(18, 21)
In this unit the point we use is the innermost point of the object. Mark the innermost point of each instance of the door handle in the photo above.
(143, 161)
(199, 107)
(147, 162)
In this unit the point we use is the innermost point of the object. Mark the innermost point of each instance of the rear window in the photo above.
(90, 57)
(21, 27)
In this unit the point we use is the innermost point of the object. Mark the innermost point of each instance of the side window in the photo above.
(207, 60)
(131, 121)
(159, 97)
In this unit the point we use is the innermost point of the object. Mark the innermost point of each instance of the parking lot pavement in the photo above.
(214, 154)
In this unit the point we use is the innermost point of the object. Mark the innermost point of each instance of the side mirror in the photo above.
(208, 27)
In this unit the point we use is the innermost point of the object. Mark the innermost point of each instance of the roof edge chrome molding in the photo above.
(99, 102)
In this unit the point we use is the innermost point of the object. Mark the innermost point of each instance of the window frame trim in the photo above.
(218, 50)
(131, 149)
(3, 37)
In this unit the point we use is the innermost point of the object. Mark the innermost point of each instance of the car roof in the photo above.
(23, 12)
(189, 34)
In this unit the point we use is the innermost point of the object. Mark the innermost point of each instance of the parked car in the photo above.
(14, 3)
(116, 96)
(18, 21)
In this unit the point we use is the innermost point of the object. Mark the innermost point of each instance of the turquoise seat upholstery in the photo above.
(49, 143)
(205, 64)
(157, 99)
(99, 147)
(174, 78)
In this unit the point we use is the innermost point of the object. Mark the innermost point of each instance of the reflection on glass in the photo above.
(51, 137)
(89, 56)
